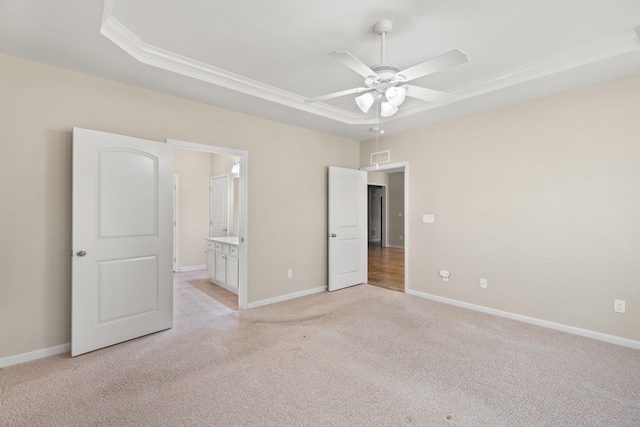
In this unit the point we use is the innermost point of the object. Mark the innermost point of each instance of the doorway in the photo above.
(387, 199)
(239, 219)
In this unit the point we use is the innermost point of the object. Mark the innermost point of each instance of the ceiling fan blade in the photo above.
(430, 66)
(354, 63)
(429, 94)
(338, 94)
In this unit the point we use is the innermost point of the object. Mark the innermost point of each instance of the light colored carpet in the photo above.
(363, 356)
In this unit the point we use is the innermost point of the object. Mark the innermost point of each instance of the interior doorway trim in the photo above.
(176, 197)
(399, 167)
(243, 226)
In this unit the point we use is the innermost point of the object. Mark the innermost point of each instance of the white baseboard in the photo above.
(34, 355)
(192, 268)
(395, 246)
(625, 342)
(287, 297)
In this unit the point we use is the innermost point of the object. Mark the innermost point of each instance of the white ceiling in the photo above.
(266, 57)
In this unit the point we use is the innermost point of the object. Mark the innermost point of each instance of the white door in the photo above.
(122, 282)
(219, 209)
(347, 227)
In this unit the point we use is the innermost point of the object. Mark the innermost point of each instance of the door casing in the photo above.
(243, 218)
(399, 167)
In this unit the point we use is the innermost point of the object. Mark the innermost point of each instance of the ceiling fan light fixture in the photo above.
(365, 101)
(387, 109)
(395, 95)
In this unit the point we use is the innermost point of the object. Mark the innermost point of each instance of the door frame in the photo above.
(176, 203)
(243, 226)
(388, 168)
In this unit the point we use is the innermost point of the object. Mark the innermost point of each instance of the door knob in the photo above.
(81, 253)
(334, 235)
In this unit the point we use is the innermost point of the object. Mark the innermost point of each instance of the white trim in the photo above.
(395, 246)
(287, 297)
(176, 219)
(34, 355)
(127, 40)
(625, 342)
(155, 56)
(243, 232)
(192, 268)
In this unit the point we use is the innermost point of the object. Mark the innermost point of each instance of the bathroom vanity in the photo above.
(223, 262)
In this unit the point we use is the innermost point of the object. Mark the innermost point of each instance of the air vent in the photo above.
(380, 157)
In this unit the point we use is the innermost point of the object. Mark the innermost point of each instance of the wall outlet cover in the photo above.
(619, 306)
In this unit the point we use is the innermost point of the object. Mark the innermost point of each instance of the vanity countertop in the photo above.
(231, 240)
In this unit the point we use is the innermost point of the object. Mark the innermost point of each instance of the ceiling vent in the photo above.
(380, 157)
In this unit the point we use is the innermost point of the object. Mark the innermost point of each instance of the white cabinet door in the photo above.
(221, 267)
(232, 272)
(347, 227)
(122, 281)
(211, 264)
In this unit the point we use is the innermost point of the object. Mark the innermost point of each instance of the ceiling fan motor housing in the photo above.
(385, 71)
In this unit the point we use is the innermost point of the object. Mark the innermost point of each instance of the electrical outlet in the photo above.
(618, 306)
(483, 283)
(289, 274)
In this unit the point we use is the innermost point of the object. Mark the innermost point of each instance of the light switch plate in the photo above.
(428, 218)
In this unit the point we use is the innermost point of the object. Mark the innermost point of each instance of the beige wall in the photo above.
(39, 106)
(540, 198)
(194, 170)
(221, 163)
(377, 178)
(395, 197)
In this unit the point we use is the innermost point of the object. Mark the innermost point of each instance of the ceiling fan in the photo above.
(385, 84)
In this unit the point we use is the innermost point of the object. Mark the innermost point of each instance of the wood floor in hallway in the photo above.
(386, 267)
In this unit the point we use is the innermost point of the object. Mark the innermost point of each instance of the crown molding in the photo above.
(619, 44)
(128, 41)
(148, 54)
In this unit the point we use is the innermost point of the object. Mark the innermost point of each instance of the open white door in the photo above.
(219, 206)
(122, 282)
(347, 227)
